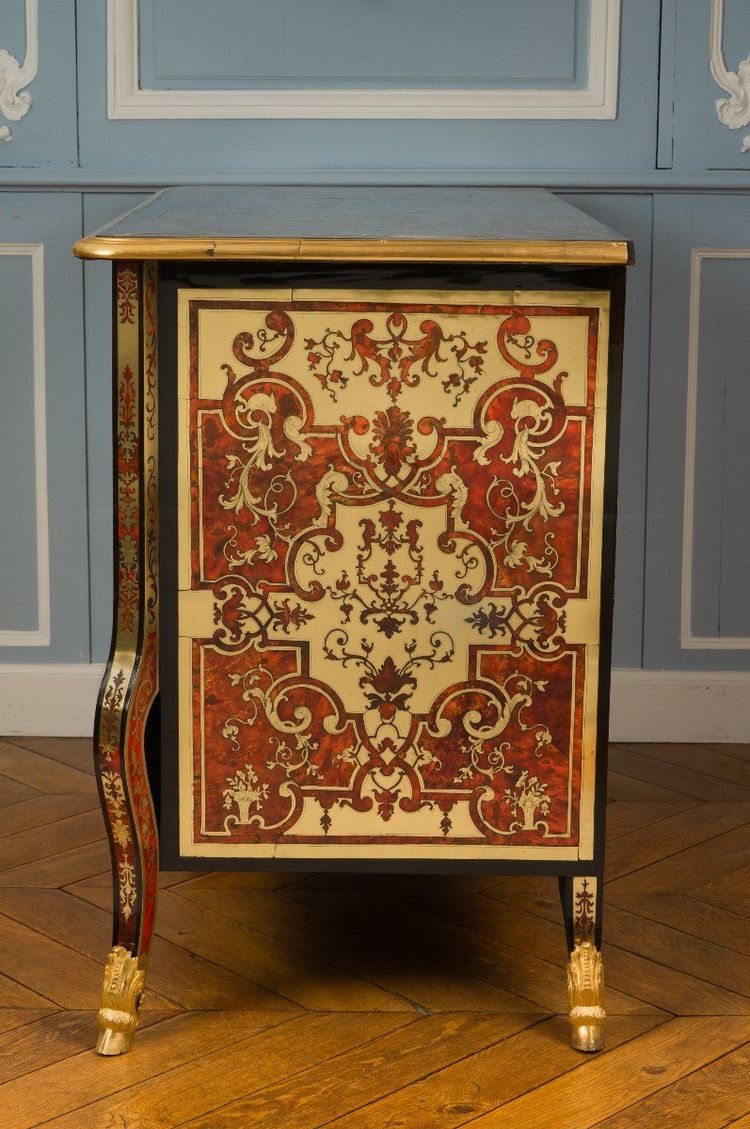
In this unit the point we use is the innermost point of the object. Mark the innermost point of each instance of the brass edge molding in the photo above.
(615, 252)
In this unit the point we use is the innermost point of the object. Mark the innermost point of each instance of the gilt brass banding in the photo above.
(608, 252)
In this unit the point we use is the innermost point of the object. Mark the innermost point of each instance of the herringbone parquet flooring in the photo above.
(379, 1002)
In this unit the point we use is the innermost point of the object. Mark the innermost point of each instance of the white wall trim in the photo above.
(38, 636)
(688, 640)
(682, 705)
(58, 700)
(49, 699)
(127, 99)
(734, 111)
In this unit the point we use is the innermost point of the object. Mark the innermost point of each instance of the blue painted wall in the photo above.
(664, 171)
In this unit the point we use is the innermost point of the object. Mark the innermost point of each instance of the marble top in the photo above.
(308, 217)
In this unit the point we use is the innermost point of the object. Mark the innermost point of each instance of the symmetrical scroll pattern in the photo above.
(389, 547)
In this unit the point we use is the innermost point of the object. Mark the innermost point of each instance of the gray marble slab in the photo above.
(315, 212)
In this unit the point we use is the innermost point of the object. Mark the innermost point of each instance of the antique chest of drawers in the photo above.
(365, 488)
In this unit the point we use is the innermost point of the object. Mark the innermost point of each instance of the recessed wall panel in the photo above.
(721, 543)
(188, 43)
(18, 592)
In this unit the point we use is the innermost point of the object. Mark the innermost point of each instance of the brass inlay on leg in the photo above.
(586, 997)
(124, 981)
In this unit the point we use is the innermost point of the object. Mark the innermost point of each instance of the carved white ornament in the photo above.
(733, 112)
(15, 102)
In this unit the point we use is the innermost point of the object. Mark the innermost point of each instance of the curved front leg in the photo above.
(131, 679)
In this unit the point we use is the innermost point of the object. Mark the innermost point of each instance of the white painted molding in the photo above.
(734, 111)
(49, 700)
(38, 636)
(15, 102)
(688, 640)
(127, 99)
(690, 706)
(58, 700)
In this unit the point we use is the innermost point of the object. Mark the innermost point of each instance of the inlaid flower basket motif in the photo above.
(390, 528)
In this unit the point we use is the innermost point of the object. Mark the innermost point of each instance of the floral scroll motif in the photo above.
(394, 360)
(526, 796)
(115, 806)
(529, 498)
(584, 912)
(521, 620)
(127, 295)
(255, 411)
(243, 790)
(394, 595)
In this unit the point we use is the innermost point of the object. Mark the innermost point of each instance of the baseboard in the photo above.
(48, 699)
(680, 705)
(647, 705)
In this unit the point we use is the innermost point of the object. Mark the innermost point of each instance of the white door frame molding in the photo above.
(127, 99)
(688, 640)
(38, 636)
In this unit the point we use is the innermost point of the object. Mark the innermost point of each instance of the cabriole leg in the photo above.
(131, 680)
(581, 902)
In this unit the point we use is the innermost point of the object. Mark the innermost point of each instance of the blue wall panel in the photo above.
(18, 595)
(53, 219)
(700, 140)
(251, 43)
(369, 147)
(721, 542)
(720, 509)
(47, 135)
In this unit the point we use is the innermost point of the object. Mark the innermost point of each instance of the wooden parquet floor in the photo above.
(378, 1002)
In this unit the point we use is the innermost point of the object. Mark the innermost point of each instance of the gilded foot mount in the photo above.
(586, 997)
(124, 981)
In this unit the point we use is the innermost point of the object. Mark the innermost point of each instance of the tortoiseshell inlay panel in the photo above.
(389, 566)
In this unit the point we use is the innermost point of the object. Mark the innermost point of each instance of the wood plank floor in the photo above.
(376, 1002)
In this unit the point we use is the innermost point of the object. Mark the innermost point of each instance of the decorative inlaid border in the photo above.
(688, 640)
(38, 636)
(598, 99)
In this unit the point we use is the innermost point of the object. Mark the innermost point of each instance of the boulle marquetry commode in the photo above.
(365, 487)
